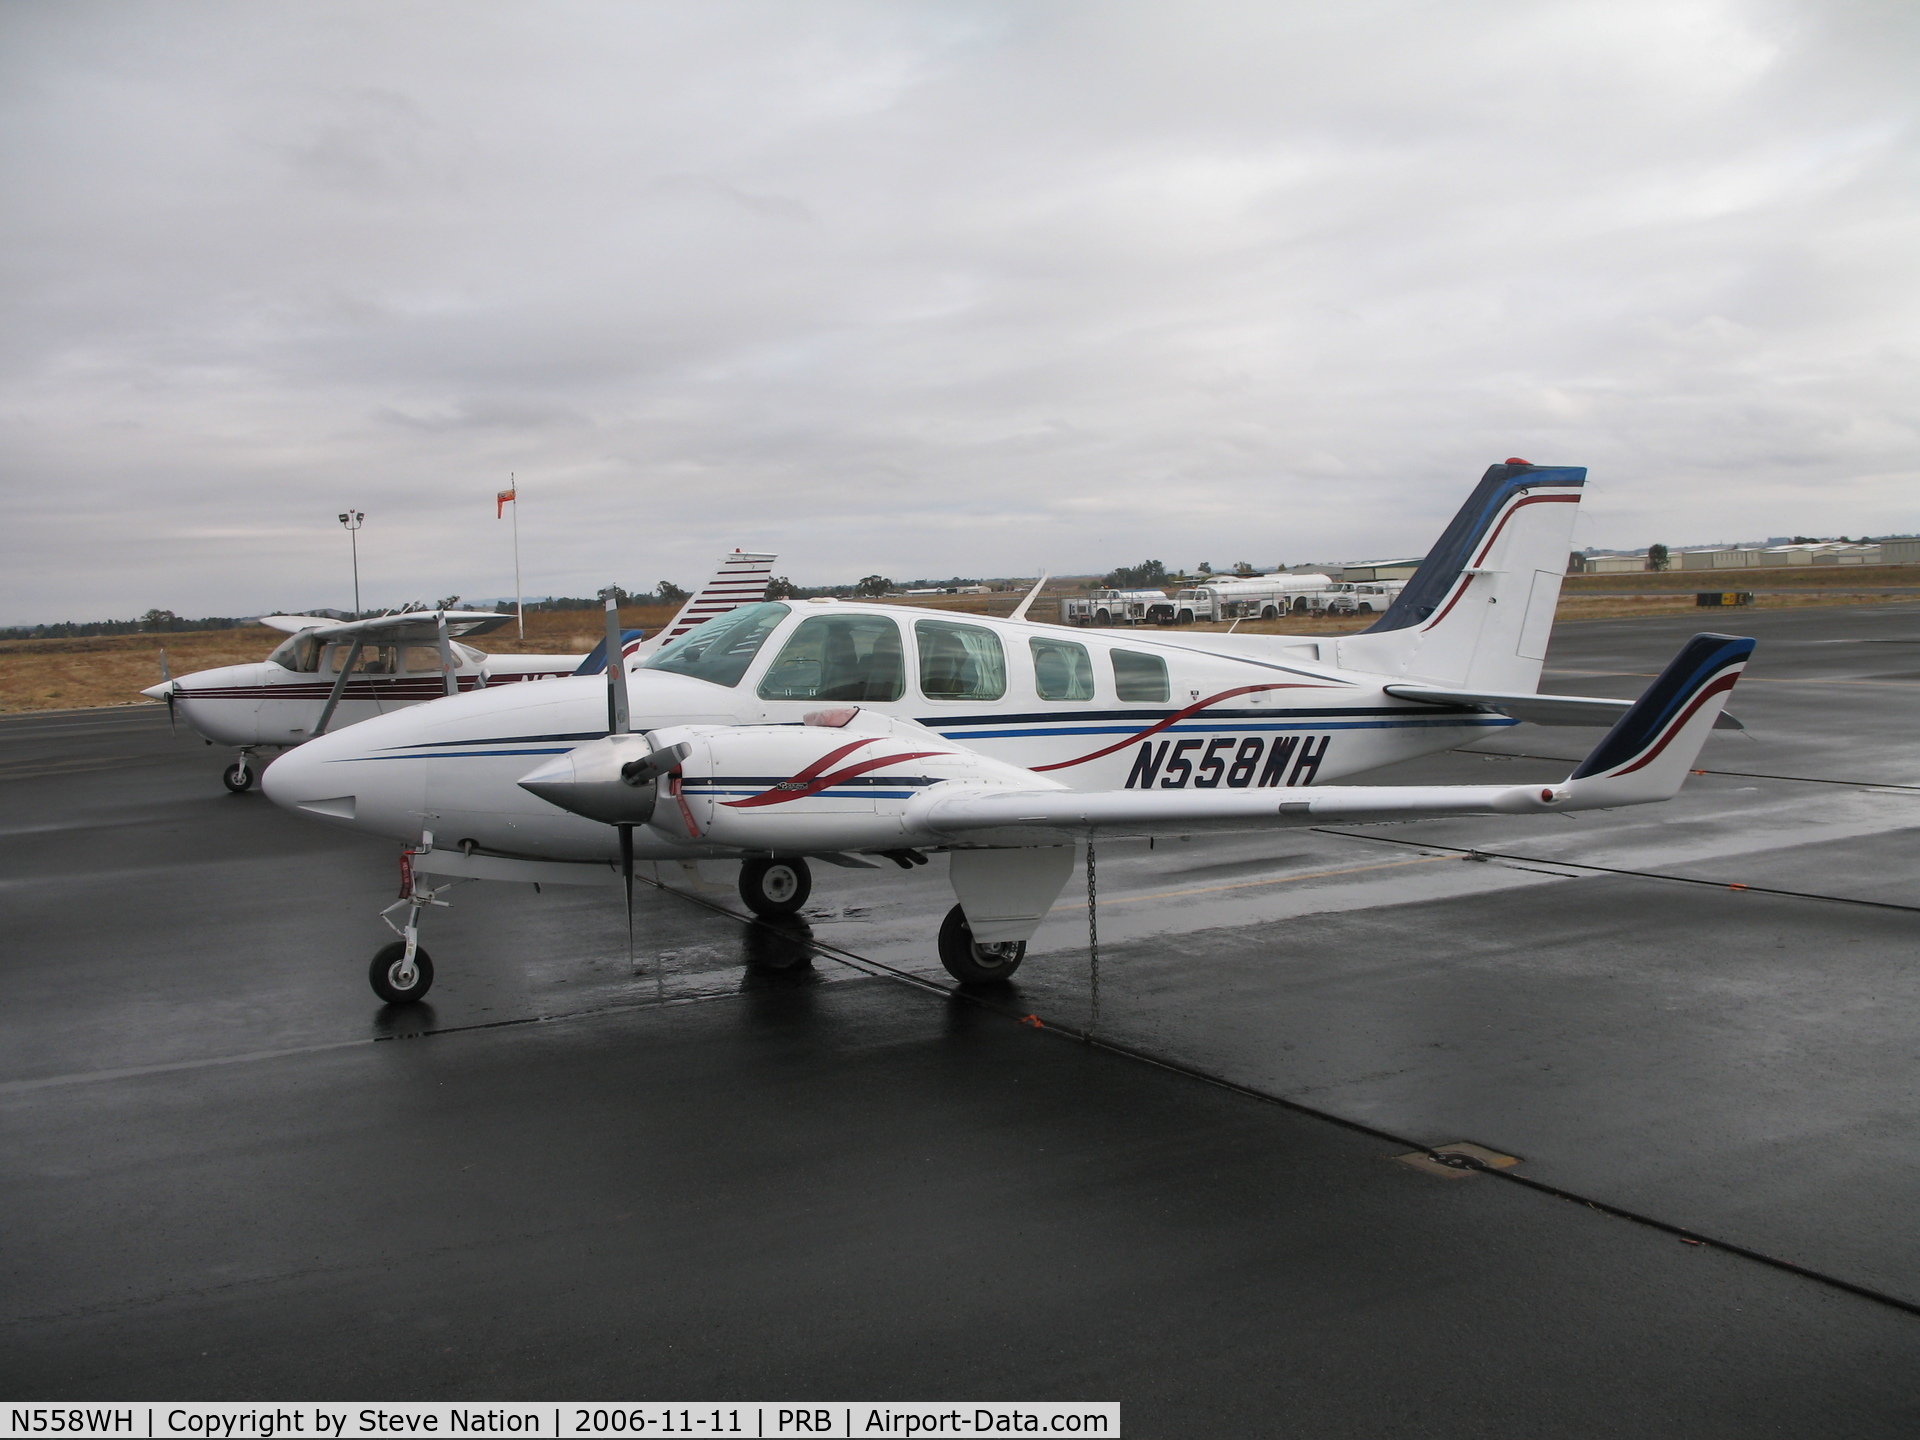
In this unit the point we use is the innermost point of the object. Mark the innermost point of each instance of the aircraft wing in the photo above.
(1034, 817)
(1539, 709)
(418, 627)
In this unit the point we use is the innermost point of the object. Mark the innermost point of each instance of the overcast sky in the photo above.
(926, 288)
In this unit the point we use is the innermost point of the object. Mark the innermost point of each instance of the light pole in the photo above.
(353, 520)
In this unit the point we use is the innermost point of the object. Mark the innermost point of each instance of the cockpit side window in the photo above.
(838, 657)
(720, 651)
(1061, 670)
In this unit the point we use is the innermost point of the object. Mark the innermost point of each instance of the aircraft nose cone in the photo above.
(160, 691)
(297, 782)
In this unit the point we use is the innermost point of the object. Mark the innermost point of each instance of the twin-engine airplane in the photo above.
(837, 731)
(332, 674)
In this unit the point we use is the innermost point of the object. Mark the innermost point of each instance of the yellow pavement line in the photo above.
(1246, 884)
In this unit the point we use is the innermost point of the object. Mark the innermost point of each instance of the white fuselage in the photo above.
(1144, 712)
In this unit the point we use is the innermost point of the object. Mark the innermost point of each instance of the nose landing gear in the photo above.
(238, 777)
(397, 979)
(402, 972)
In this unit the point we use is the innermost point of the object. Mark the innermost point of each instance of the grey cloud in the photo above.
(930, 288)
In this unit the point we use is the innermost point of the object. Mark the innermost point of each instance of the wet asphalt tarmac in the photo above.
(736, 1166)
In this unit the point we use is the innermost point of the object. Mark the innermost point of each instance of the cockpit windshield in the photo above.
(720, 651)
(300, 654)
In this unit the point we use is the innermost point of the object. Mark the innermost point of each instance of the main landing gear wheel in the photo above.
(392, 981)
(775, 887)
(237, 777)
(971, 963)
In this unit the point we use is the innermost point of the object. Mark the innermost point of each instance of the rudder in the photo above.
(1479, 610)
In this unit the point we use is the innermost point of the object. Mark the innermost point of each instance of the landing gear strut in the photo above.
(402, 972)
(972, 963)
(238, 777)
(775, 887)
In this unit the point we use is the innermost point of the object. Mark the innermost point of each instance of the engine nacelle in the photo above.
(842, 781)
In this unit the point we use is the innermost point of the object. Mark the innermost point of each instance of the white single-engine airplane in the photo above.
(332, 674)
(832, 730)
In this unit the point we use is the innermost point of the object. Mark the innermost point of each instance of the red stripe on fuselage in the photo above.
(778, 796)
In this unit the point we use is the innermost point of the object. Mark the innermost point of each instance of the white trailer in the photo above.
(1259, 597)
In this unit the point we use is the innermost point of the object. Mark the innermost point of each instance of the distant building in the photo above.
(1615, 564)
(1832, 552)
(1380, 569)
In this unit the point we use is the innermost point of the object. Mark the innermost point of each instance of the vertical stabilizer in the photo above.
(1479, 610)
(741, 580)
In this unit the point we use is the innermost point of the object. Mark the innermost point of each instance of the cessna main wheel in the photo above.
(237, 777)
(971, 963)
(392, 981)
(775, 887)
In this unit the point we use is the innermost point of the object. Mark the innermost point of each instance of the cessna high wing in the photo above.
(844, 731)
(332, 674)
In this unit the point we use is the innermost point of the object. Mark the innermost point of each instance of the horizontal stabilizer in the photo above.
(1536, 709)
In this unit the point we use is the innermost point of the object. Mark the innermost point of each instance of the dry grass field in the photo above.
(112, 670)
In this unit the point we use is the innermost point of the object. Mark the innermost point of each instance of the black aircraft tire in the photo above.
(973, 964)
(237, 777)
(775, 887)
(386, 960)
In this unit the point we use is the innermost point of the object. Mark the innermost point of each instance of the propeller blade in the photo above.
(619, 718)
(166, 678)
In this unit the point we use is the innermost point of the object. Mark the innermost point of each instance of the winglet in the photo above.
(1020, 611)
(1647, 754)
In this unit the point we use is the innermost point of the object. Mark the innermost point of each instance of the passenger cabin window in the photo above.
(423, 659)
(301, 654)
(1139, 677)
(720, 651)
(839, 657)
(960, 662)
(1062, 670)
